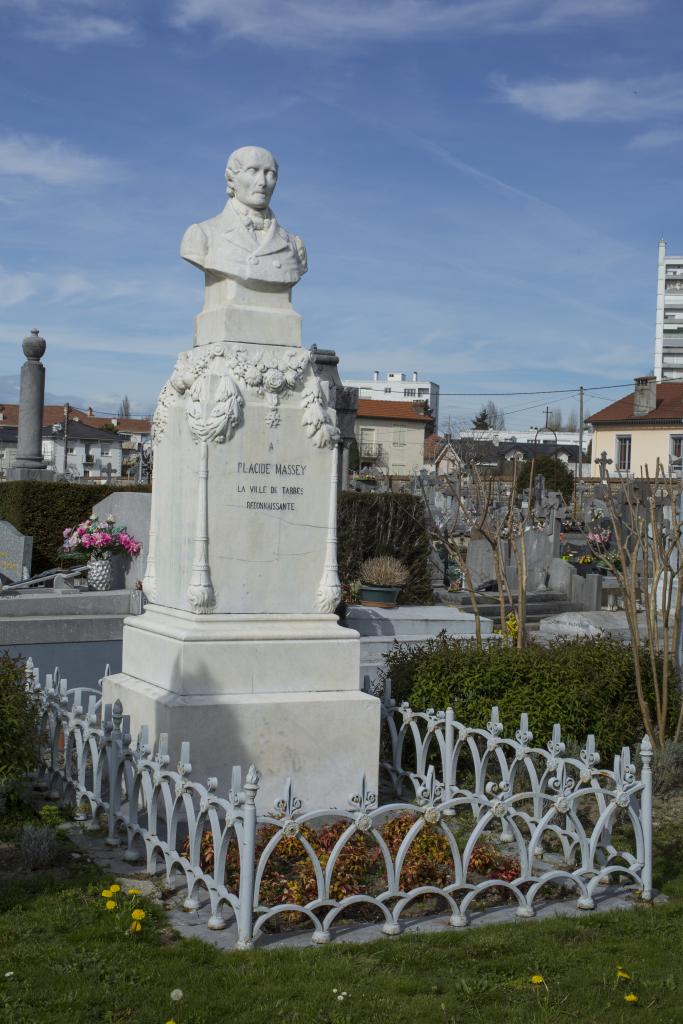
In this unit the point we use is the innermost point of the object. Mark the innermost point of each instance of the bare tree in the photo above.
(505, 533)
(489, 417)
(572, 421)
(554, 419)
(646, 559)
(124, 408)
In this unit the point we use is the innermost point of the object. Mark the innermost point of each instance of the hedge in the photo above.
(42, 510)
(585, 684)
(385, 524)
(18, 721)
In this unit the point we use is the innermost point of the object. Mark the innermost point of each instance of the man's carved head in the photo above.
(251, 175)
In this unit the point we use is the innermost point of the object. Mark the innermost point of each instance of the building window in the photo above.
(70, 450)
(422, 392)
(624, 453)
(409, 392)
(399, 439)
(676, 452)
(86, 472)
(106, 449)
(387, 391)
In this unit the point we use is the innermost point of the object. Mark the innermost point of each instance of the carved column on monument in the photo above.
(239, 650)
(29, 463)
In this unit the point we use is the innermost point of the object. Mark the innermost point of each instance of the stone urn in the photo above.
(100, 574)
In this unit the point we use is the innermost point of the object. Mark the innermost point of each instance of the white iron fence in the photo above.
(475, 817)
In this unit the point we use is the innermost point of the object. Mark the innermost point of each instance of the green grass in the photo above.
(74, 963)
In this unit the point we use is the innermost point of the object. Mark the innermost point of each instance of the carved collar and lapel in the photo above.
(275, 238)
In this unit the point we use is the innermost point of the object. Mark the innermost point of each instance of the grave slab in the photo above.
(16, 550)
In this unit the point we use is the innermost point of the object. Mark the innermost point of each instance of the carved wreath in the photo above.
(273, 375)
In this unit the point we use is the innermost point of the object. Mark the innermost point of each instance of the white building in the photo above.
(398, 388)
(530, 436)
(90, 452)
(669, 323)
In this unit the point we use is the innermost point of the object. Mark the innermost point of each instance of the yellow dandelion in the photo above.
(138, 915)
(110, 904)
(114, 888)
(107, 893)
(536, 979)
(631, 998)
(135, 892)
(621, 973)
(136, 926)
(170, 1022)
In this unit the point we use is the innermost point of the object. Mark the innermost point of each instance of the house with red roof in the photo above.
(641, 428)
(391, 435)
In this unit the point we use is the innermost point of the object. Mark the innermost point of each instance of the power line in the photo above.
(509, 394)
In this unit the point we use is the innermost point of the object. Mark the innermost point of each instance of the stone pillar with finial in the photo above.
(29, 463)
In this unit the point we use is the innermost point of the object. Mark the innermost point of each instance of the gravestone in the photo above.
(239, 650)
(15, 554)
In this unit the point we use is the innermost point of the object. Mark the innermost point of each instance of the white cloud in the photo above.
(15, 288)
(656, 138)
(66, 30)
(597, 99)
(316, 22)
(53, 161)
(69, 23)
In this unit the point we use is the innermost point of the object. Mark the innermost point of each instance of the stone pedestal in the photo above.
(240, 651)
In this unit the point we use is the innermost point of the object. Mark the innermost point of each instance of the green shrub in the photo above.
(668, 768)
(18, 721)
(586, 684)
(43, 510)
(556, 475)
(385, 524)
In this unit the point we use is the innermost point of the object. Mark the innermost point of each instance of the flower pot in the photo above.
(379, 597)
(100, 574)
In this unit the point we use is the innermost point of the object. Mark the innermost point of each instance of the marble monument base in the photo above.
(31, 473)
(278, 691)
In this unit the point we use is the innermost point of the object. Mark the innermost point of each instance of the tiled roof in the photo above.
(55, 414)
(669, 407)
(376, 409)
(83, 432)
(51, 414)
(128, 424)
(434, 445)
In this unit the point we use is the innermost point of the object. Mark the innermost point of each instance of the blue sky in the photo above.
(481, 184)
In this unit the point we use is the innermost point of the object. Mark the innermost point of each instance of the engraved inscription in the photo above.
(273, 497)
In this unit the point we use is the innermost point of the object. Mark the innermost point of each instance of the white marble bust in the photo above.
(245, 242)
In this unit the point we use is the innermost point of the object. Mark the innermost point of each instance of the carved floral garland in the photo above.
(273, 375)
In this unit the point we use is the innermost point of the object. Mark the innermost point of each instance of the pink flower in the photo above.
(67, 532)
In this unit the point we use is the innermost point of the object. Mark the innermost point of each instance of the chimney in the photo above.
(375, 374)
(90, 412)
(414, 375)
(645, 396)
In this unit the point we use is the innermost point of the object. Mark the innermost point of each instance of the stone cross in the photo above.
(107, 470)
(603, 462)
(540, 490)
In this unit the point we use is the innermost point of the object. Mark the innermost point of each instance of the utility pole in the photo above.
(581, 391)
(547, 414)
(66, 432)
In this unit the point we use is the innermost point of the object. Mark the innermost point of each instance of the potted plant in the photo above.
(100, 540)
(381, 580)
